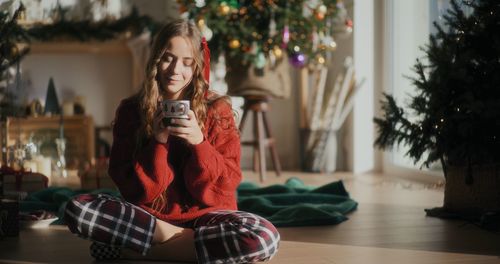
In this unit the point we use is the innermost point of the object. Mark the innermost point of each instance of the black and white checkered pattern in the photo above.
(104, 252)
(110, 220)
(220, 237)
(234, 237)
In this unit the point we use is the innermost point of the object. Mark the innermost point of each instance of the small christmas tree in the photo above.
(51, 101)
(258, 31)
(454, 116)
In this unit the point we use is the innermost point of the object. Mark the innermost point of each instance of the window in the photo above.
(408, 25)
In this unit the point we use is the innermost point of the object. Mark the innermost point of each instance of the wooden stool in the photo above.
(259, 107)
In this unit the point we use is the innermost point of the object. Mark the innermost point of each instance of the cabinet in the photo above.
(78, 132)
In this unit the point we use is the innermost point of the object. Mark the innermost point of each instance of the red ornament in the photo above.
(348, 22)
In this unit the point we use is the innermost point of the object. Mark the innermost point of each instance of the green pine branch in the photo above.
(11, 34)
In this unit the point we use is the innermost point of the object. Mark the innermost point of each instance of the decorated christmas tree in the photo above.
(454, 116)
(257, 32)
(11, 54)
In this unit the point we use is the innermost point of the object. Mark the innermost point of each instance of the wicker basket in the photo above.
(482, 195)
(274, 81)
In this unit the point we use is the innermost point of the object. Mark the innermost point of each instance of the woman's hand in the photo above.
(160, 131)
(188, 129)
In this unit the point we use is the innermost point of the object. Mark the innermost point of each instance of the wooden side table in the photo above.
(262, 136)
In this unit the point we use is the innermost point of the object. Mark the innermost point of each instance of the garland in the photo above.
(87, 30)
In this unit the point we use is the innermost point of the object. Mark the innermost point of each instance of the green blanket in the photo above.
(295, 204)
(289, 204)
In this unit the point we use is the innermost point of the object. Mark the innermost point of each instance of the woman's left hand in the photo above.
(188, 129)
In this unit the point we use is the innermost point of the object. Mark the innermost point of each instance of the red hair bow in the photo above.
(206, 56)
(206, 67)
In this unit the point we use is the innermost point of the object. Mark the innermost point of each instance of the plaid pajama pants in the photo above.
(219, 236)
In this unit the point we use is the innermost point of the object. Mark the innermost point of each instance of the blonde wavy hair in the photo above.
(150, 93)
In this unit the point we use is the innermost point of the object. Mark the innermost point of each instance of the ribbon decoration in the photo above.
(206, 56)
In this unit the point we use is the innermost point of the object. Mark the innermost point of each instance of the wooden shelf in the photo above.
(78, 131)
(113, 47)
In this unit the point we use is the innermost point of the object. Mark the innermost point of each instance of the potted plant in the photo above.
(454, 116)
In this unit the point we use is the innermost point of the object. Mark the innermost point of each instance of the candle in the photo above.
(68, 108)
(44, 166)
(30, 165)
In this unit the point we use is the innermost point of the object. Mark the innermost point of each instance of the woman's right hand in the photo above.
(160, 131)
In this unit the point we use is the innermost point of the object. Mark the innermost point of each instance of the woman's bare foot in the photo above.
(165, 231)
(179, 247)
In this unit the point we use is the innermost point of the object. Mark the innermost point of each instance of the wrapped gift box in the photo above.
(22, 181)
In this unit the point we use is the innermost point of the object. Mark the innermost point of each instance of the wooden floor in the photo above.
(389, 226)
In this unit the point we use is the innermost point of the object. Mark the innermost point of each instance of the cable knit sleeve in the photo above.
(139, 176)
(212, 172)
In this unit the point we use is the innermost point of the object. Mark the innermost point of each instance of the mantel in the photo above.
(112, 47)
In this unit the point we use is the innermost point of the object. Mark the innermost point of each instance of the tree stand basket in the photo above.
(470, 201)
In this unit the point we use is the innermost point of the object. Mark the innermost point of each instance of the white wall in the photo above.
(362, 155)
(102, 80)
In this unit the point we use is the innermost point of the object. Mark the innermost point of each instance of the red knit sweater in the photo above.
(197, 179)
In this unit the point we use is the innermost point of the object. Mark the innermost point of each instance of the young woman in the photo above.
(178, 181)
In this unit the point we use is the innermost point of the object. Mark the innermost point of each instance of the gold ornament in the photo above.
(201, 23)
(321, 59)
(234, 44)
(224, 9)
(278, 52)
